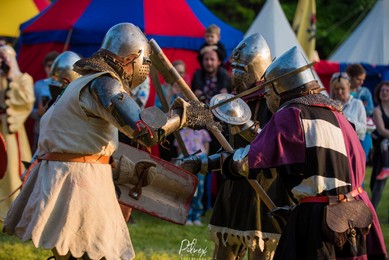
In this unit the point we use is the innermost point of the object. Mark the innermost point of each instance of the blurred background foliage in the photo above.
(335, 19)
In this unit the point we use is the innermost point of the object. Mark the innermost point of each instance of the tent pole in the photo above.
(66, 46)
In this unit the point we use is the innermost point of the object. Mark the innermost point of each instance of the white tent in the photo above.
(273, 25)
(369, 42)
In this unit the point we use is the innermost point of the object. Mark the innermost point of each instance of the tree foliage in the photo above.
(335, 19)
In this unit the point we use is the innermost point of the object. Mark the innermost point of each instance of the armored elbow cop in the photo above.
(233, 166)
(237, 166)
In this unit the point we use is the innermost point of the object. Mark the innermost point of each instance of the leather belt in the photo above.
(335, 198)
(75, 157)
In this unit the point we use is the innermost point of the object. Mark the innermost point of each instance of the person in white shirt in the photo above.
(353, 108)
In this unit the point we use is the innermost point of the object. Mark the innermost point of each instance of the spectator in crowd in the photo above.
(16, 102)
(167, 150)
(380, 171)
(212, 39)
(172, 91)
(209, 80)
(141, 93)
(42, 96)
(353, 108)
(196, 141)
(357, 76)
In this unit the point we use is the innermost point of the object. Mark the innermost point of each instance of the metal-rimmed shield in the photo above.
(236, 112)
(169, 195)
(3, 156)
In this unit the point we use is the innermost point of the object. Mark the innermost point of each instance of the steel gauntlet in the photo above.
(154, 125)
(201, 163)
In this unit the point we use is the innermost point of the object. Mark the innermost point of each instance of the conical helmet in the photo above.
(250, 59)
(289, 61)
(61, 71)
(127, 44)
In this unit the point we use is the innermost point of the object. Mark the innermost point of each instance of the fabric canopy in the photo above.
(15, 12)
(273, 25)
(369, 41)
(178, 26)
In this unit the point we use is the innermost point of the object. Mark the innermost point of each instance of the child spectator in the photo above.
(212, 39)
(171, 90)
(167, 150)
(196, 141)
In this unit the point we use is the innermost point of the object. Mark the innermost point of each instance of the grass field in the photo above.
(155, 239)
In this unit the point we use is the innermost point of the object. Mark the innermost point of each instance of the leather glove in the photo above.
(181, 106)
(145, 171)
(128, 172)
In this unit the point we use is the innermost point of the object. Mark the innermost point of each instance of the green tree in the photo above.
(335, 19)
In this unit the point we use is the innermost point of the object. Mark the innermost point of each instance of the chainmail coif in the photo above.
(101, 62)
(316, 99)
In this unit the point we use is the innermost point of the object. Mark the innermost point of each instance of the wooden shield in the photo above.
(169, 195)
(3, 156)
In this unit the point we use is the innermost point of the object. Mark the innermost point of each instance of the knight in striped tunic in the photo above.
(319, 158)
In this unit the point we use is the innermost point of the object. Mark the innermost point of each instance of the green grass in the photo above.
(152, 238)
(155, 239)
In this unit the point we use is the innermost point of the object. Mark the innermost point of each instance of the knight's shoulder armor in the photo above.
(104, 88)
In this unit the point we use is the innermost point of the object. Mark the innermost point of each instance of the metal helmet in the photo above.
(61, 71)
(250, 59)
(129, 47)
(289, 61)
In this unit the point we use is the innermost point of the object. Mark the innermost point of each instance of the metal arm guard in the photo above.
(215, 161)
(124, 109)
(148, 126)
(201, 163)
(193, 163)
(238, 164)
(248, 131)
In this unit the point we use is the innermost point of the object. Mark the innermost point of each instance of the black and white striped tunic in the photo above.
(317, 152)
